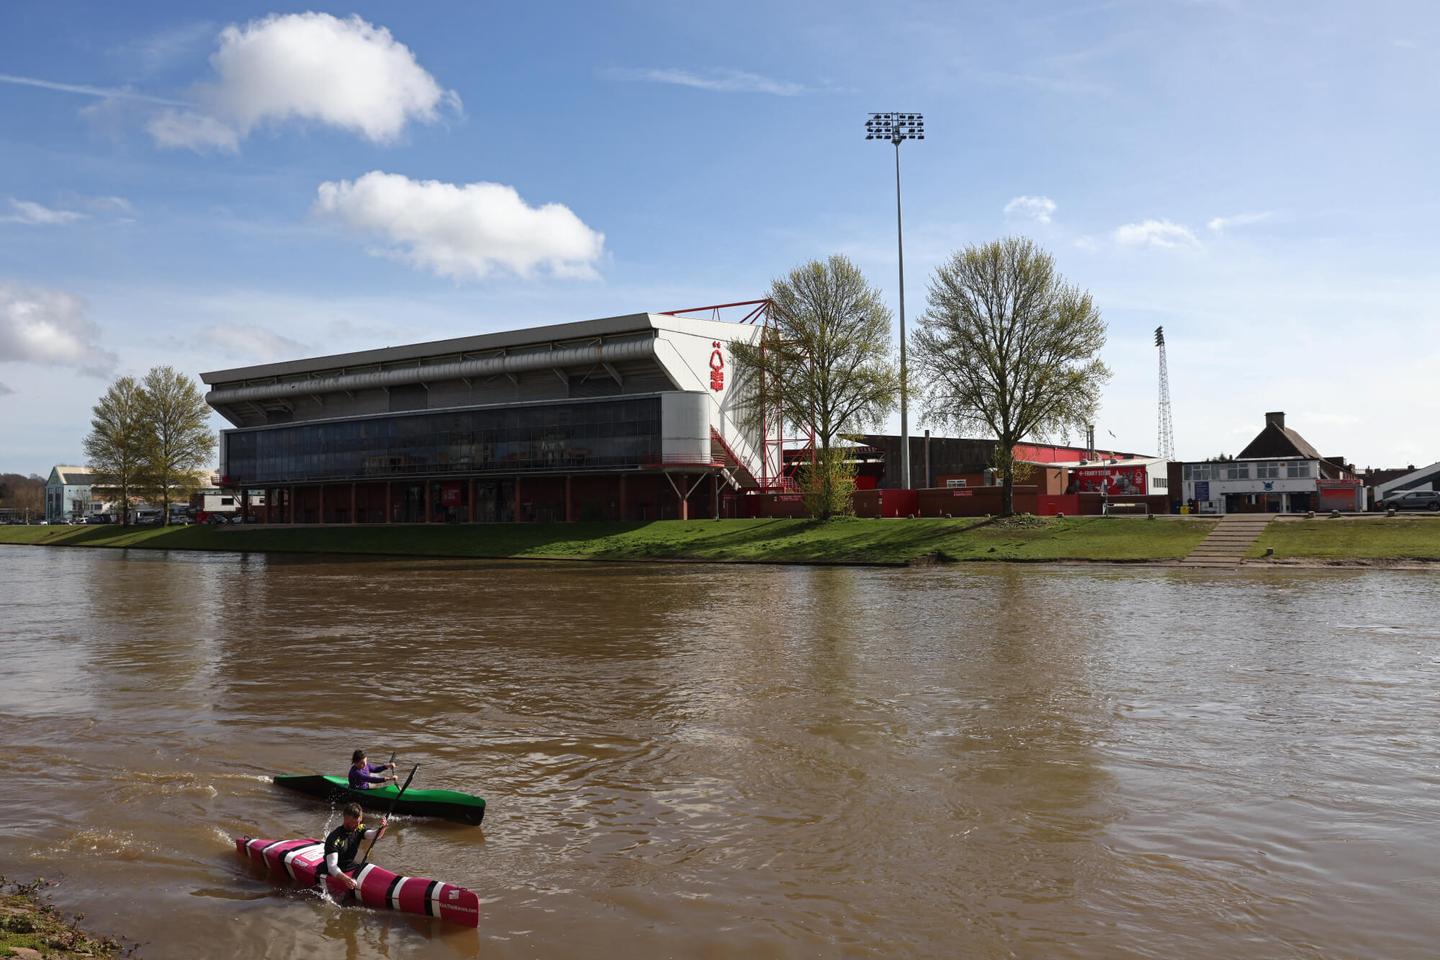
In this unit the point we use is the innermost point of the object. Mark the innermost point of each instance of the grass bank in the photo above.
(31, 929)
(1359, 538)
(755, 541)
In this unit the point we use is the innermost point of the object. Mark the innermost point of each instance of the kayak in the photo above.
(379, 888)
(447, 804)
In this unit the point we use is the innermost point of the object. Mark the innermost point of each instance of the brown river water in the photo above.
(736, 761)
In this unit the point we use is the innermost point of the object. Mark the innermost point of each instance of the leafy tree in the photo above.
(1007, 345)
(116, 445)
(178, 438)
(828, 484)
(825, 365)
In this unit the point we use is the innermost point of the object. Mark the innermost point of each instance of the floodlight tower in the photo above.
(897, 127)
(1167, 432)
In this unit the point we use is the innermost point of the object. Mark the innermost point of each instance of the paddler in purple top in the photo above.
(363, 776)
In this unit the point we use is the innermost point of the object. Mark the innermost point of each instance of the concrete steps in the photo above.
(1229, 541)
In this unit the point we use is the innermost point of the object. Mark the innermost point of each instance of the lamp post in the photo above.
(896, 127)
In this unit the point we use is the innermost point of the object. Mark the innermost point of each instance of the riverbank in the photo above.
(1363, 539)
(845, 541)
(31, 929)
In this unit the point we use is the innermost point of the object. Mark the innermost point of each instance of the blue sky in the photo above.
(210, 185)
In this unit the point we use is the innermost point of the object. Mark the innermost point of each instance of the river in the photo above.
(736, 761)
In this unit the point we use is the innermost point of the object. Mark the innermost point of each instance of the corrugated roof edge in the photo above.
(437, 348)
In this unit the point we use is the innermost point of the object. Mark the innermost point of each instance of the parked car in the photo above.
(1413, 500)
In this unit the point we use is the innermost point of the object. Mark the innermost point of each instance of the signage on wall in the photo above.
(1202, 489)
(717, 367)
(1115, 481)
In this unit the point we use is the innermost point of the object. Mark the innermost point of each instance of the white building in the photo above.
(1278, 472)
(68, 495)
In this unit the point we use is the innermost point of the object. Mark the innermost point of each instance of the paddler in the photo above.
(343, 844)
(363, 776)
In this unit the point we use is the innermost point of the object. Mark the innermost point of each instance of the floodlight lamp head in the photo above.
(1159, 336)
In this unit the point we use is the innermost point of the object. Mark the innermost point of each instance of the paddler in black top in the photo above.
(343, 844)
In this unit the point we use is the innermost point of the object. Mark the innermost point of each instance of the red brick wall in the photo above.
(884, 503)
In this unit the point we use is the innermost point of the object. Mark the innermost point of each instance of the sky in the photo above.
(210, 185)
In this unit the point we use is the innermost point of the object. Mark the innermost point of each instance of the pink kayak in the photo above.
(379, 888)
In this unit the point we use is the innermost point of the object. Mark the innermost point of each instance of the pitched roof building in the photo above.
(67, 494)
(1277, 472)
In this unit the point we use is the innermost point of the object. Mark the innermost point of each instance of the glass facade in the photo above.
(543, 437)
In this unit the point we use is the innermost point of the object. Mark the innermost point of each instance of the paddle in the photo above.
(396, 800)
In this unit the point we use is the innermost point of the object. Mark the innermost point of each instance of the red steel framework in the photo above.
(774, 477)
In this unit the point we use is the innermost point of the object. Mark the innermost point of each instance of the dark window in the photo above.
(595, 434)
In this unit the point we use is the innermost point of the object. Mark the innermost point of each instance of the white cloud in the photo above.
(49, 327)
(1039, 209)
(1155, 233)
(117, 205)
(306, 66)
(1221, 224)
(108, 93)
(464, 230)
(27, 211)
(248, 342)
(718, 80)
(186, 129)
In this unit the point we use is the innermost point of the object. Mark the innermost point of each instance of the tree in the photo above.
(116, 445)
(825, 365)
(827, 484)
(1007, 345)
(24, 495)
(178, 438)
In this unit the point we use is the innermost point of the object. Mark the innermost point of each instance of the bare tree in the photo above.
(1006, 345)
(115, 447)
(25, 495)
(179, 441)
(825, 366)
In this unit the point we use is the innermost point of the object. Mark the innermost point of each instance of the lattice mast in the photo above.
(1166, 439)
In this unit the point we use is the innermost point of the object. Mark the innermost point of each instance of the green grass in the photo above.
(1353, 538)
(759, 541)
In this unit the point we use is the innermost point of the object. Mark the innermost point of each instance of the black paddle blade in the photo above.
(407, 780)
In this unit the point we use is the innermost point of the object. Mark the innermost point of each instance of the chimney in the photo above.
(1277, 418)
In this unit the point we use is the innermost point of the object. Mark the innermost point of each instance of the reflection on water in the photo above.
(737, 761)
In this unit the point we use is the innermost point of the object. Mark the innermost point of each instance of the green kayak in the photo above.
(420, 803)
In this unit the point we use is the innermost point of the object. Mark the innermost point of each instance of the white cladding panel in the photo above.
(693, 352)
(685, 428)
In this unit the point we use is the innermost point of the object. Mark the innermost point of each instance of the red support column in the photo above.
(352, 502)
(389, 507)
(517, 499)
(569, 511)
(427, 501)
